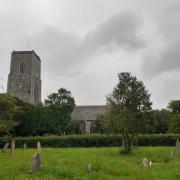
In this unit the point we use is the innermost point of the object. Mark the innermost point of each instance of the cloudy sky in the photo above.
(83, 44)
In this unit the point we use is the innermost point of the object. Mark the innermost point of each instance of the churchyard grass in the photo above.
(107, 163)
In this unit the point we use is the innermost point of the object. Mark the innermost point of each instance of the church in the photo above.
(24, 82)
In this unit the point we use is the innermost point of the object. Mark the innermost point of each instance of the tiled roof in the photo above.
(84, 113)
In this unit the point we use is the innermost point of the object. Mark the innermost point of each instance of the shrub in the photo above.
(93, 140)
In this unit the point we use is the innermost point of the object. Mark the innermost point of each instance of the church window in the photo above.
(21, 68)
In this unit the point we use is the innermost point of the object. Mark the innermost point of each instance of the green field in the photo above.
(107, 163)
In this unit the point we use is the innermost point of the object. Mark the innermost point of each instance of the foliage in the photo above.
(59, 107)
(24, 119)
(52, 118)
(11, 109)
(126, 103)
(93, 140)
(31, 122)
(174, 107)
(161, 119)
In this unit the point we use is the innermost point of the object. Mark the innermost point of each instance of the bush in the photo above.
(93, 140)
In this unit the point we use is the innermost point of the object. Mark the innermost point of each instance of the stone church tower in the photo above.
(24, 80)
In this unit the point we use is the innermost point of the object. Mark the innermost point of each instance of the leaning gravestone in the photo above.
(13, 147)
(36, 162)
(5, 147)
(39, 147)
(177, 147)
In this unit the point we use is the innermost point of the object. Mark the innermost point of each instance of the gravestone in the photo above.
(39, 147)
(146, 162)
(13, 147)
(36, 162)
(150, 163)
(5, 147)
(177, 147)
(171, 154)
(89, 169)
(24, 147)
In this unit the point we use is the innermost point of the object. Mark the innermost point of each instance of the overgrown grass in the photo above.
(107, 163)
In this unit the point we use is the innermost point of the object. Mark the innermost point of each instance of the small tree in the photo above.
(59, 107)
(128, 99)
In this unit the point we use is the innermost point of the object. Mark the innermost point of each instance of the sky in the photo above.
(84, 44)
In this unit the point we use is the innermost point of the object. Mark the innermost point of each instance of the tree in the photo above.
(128, 100)
(161, 119)
(31, 122)
(11, 109)
(174, 107)
(59, 107)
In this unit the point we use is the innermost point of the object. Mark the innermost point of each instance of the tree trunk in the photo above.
(127, 142)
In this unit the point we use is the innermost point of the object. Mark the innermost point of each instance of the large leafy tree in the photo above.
(31, 122)
(174, 107)
(160, 121)
(11, 110)
(59, 107)
(128, 100)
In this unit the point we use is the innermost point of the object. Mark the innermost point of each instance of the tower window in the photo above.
(21, 68)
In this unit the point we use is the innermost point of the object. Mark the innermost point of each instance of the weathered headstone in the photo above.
(36, 162)
(171, 154)
(177, 147)
(5, 147)
(24, 147)
(13, 147)
(146, 162)
(89, 169)
(150, 163)
(39, 147)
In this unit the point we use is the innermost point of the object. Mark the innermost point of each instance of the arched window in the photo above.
(21, 68)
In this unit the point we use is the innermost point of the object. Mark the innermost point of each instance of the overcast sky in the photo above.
(83, 44)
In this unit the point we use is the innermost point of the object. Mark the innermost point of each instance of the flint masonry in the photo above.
(24, 80)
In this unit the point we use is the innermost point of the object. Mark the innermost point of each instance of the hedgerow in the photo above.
(92, 140)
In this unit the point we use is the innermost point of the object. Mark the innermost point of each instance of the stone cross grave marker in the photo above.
(13, 147)
(5, 147)
(36, 162)
(177, 146)
(39, 147)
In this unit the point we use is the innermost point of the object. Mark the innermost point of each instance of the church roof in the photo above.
(85, 113)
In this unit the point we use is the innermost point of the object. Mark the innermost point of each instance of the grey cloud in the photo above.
(63, 51)
(120, 30)
(167, 59)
